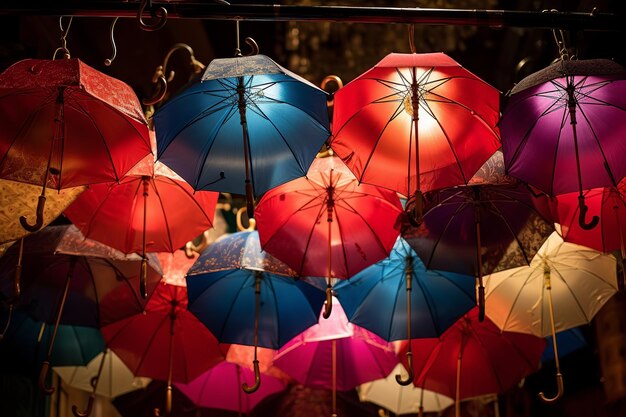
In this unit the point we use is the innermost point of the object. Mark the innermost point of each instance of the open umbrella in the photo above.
(474, 358)
(151, 209)
(415, 122)
(399, 399)
(335, 354)
(19, 197)
(219, 387)
(493, 223)
(563, 126)
(578, 281)
(246, 127)
(398, 298)
(65, 124)
(360, 224)
(68, 279)
(165, 342)
(248, 297)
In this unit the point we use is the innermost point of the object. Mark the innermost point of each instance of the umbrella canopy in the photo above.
(581, 280)
(415, 122)
(357, 355)
(400, 399)
(375, 298)
(219, 388)
(17, 198)
(66, 124)
(360, 227)
(474, 358)
(101, 284)
(223, 281)
(114, 379)
(568, 118)
(493, 223)
(246, 127)
(175, 266)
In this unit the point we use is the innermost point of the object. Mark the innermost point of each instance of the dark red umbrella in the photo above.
(165, 342)
(474, 358)
(65, 124)
(151, 209)
(415, 122)
(327, 224)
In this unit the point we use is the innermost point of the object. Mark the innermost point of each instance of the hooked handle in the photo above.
(328, 307)
(582, 213)
(411, 376)
(257, 379)
(41, 202)
(87, 412)
(43, 375)
(559, 393)
(161, 83)
(143, 279)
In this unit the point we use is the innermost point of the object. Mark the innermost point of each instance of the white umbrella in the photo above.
(580, 280)
(401, 399)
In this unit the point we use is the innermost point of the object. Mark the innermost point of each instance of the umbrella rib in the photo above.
(232, 305)
(310, 237)
(569, 288)
(427, 298)
(92, 276)
(529, 278)
(164, 212)
(269, 282)
(151, 340)
(556, 151)
(462, 206)
(89, 223)
(130, 232)
(191, 195)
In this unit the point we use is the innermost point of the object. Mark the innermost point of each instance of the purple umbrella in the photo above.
(563, 128)
(219, 388)
(493, 223)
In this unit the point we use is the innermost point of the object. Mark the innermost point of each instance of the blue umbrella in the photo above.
(247, 126)
(248, 297)
(568, 341)
(380, 298)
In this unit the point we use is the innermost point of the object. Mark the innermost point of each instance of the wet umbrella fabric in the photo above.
(247, 119)
(375, 298)
(415, 122)
(562, 128)
(66, 124)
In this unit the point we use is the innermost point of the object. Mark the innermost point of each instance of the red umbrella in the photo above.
(327, 224)
(65, 124)
(474, 358)
(151, 209)
(165, 342)
(415, 122)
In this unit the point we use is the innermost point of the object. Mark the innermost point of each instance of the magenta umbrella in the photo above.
(335, 354)
(219, 387)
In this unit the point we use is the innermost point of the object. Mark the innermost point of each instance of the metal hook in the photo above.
(64, 33)
(160, 14)
(254, 47)
(159, 74)
(109, 61)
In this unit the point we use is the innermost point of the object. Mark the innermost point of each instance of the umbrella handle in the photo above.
(160, 13)
(481, 303)
(328, 306)
(160, 92)
(582, 213)
(257, 379)
(41, 202)
(143, 278)
(411, 377)
(249, 199)
(559, 393)
(43, 375)
(168, 404)
(87, 412)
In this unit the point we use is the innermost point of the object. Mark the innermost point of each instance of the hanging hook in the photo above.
(64, 32)
(251, 222)
(159, 74)
(109, 61)
(160, 14)
(254, 47)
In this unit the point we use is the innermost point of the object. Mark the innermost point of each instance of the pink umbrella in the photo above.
(335, 354)
(219, 387)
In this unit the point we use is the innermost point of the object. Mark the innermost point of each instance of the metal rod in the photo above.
(606, 22)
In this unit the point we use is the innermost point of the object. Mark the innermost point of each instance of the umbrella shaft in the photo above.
(60, 307)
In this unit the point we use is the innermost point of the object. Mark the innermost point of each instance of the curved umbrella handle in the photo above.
(43, 375)
(328, 307)
(257, 379)
(143, 279)
(41, 202)
(411, 377)
(87, 412)
(582, 213)
(559, 393)
(160, 92)
(168, 404)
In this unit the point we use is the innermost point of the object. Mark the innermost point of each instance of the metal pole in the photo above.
(606, 22)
